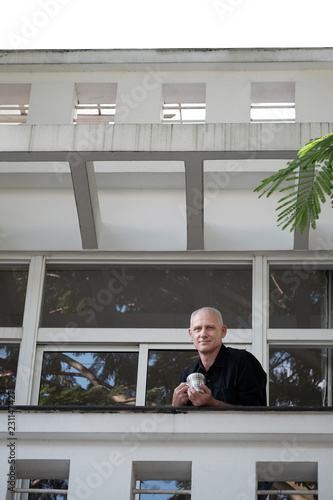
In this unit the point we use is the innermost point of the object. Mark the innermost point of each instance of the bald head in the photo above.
(206, 310)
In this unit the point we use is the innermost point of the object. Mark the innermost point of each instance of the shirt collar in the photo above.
(219, 360)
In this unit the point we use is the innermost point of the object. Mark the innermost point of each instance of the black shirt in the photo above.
(236, 377)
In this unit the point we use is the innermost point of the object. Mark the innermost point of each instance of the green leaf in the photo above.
(307, 181)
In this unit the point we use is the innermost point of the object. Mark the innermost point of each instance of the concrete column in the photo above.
(194, 203)
(228, 100)
(139, 99)
(51, 103)
(313, 100)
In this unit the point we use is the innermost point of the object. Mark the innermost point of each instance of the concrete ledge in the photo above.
(209, 58)
(171, 423)
(209, 137)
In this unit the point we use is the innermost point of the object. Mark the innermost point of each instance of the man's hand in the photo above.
(203, 399)
(180, 396)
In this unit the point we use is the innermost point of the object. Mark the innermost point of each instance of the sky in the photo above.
(121, 24)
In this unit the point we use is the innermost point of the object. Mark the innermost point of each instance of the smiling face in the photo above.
(207, 332)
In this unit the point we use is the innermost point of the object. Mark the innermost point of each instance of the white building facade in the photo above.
(127, 202)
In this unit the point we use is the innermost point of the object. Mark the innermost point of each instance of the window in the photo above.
(300, 297)
(163, 490)
(8, 366)
(287, 481)
(13, 287)
(273, 102)
(161, 480)
(300, 376)
(88, 378)
(50, 489)
(14, 103)
(184, 103)
(144, 312)
(164, 368)
(40, 479)
(144, 297)
(96, 102)
(300, 315)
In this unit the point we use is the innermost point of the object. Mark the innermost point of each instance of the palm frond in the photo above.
(306, 182)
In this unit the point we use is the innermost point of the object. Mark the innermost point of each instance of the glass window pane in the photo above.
(298, 298)
(164, 368)
(8, 366)
(273, 114)
(13, 286)
(48, 484)
(300, 376)
(89, 378)
(288, 485)
(164, 485)
(144, 297)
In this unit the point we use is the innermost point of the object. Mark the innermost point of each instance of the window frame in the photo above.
(281, 471)
(159, 471)
(27, 469)
(180, 107)
(297, 337)
(257, 339)
(273, 96)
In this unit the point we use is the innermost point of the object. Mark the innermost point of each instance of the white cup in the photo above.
(195, 379)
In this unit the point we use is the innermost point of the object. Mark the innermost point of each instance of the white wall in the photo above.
(240, 220)
(32, 219)
(139, 93)
(227, 470)
(143, 220)
(51, 103)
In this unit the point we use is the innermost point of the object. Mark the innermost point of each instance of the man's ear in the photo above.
(190, 334)
(224, 331)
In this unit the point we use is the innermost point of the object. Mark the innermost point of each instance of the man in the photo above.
(233, 376)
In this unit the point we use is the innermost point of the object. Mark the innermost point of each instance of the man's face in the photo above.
(207, 332)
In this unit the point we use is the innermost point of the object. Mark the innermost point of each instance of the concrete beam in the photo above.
(75, 158)
(165, 59)
(301, 241)
(194, 204)
(86, 199)
(213, 137)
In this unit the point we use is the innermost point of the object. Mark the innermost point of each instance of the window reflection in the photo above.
(48, 484)
(164, 368)
(300, 376)
(8, 366)
(13, 287)
(88, 378)
(163, 486)
(144, 297)
(299, 298)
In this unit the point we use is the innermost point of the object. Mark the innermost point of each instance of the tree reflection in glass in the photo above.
(298, 298)
(89, 378)
(48, 484)
(300, 376)
(13, 287)
(144, 297)
(165, 485)
(164, 368)
(8, 366)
